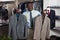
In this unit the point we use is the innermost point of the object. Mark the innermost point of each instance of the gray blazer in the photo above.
(19, 28)
(41, 31)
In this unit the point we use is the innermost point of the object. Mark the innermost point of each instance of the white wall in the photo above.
(53, 3)
(6, 0)
(50, 3)
(45, 3)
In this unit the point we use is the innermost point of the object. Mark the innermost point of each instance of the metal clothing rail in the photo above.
(29, 1)
(55, 7)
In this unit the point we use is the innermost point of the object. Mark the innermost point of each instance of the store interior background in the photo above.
(53, 3)
(10, 4)
(14, 4)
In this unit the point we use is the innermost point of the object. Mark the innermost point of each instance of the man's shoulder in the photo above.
(32, 11)
(35, 10)
(25, 12)
(38, 17)
(23, 15)
(48, 18)
(12, 16)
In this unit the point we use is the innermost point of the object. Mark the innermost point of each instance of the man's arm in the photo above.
(10, 27)
(48, 29)
(39, 13)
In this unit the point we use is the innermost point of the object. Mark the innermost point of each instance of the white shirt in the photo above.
(34, 14)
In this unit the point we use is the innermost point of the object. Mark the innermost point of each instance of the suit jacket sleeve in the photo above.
(52, 14)
(25, 26)
(37, 29)
(10, 27)
(48, 29)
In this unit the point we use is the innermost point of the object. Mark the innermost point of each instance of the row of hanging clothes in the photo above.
(3, 15)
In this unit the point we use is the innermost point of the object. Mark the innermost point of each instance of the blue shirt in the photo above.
(17, 15)
(34, 14)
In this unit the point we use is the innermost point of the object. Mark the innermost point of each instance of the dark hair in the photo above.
(43, 10)
(14, 11)
(28, 3)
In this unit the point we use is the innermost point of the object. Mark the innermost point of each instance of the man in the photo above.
(18, 26)
(51, 15)
(22, 7)
(31, 15)
(42, 27)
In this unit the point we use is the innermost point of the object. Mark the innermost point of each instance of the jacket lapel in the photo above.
(20, 19)
(44, 29)
(18, 22)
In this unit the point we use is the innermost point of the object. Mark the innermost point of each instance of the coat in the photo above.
(19, 28)
(41, 31)
(52, 19)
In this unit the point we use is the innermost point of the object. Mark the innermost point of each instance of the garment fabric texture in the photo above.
(18, 28)
(41, 31)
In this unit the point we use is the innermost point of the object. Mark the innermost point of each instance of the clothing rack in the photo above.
(55, 7)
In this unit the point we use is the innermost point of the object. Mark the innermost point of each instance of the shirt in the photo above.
(17, 15)
(35, 13)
